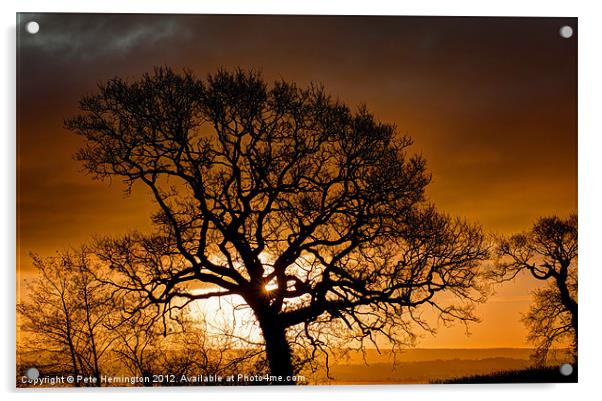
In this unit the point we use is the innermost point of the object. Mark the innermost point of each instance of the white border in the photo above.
(590, 179)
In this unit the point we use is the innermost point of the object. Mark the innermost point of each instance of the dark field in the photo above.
(529, 375)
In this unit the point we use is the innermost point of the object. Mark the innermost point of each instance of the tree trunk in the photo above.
(574, 323)
(69, 339)
(277, 349)
(570, 304)
(90, 335)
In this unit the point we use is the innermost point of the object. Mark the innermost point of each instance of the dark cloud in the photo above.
(90, 36)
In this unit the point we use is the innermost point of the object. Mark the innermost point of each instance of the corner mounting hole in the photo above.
(566, 31)
(32, 27)
(32, 373)
(566, 369)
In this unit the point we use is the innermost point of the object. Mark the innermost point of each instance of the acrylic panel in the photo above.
(295, 200)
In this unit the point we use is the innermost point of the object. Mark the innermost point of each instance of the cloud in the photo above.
(90, 36)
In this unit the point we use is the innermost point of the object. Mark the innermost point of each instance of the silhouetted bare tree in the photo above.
(138, 343)
(186, 348)
(548, 252)
(65, 314)
(310, 212)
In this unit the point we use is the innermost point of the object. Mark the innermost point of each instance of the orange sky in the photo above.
(491, 103)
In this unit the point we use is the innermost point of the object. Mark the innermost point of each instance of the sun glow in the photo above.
(228, 313)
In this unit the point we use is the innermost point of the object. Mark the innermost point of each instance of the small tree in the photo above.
(65, 313)
(182, 346)
(310, 212)
(548, 252)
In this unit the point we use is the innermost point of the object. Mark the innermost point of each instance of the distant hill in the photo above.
(432, 354)
(434, 365)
